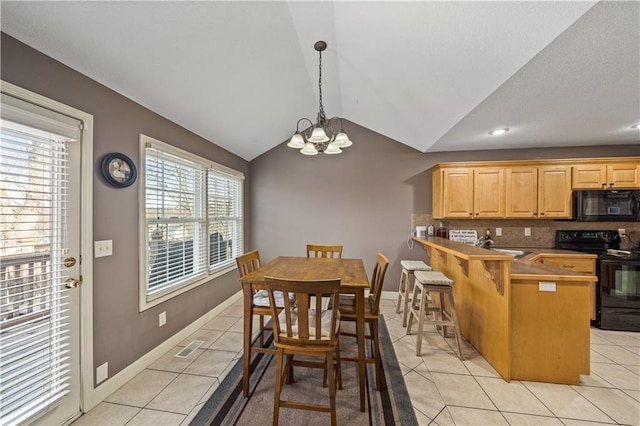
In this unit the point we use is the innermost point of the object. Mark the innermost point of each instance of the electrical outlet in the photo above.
(622, 232)
(527, 232)
(102, 372)
(103, 248)
(498, 232)
(162, 319)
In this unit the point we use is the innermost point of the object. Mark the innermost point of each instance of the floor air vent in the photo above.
(188, 350)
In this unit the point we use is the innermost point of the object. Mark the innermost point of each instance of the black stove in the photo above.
(618, 271)
(594, 242)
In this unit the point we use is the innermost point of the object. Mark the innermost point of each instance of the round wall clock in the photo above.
(118, 170)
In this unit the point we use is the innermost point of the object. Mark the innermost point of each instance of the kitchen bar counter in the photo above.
(529, 320)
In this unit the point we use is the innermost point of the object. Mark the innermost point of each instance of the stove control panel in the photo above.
(594, 237)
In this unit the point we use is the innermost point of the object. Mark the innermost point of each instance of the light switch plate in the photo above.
(102, 248)
(527, 232)
(498, 232)
(546, 286)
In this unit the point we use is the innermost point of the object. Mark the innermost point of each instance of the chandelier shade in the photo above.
(326, 135)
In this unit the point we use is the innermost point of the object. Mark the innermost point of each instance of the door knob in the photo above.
(72, 283)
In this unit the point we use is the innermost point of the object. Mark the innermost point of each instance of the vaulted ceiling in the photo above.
(436, 76)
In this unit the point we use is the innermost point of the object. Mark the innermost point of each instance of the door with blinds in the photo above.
(40, 271)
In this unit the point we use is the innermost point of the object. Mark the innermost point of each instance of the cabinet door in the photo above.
(589, 176)
(554, 192)
(488, 192)
(458, 193)
(585, 266)
(522, 192)
(623, 175)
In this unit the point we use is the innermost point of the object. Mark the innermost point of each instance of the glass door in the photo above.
(39, 264)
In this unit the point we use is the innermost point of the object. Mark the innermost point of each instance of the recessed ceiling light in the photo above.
(498, 132)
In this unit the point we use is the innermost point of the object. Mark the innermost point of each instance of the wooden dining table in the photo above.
(353, 281)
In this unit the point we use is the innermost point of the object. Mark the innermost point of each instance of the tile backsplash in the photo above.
(542, 231)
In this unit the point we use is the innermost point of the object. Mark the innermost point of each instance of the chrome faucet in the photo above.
(484, 242)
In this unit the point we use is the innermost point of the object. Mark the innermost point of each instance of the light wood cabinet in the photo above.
(554, 192)
(488, 193)
(606, 176)
(535, 189)
(457, 193)
(522, 192)
(576, 264)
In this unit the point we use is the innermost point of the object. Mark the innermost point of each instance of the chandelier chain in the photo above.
(322, 115)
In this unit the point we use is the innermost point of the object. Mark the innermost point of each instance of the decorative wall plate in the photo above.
(118, 170)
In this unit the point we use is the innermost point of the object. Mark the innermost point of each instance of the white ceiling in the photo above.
(436, 76)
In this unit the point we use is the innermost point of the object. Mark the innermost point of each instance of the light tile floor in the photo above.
(444, 390)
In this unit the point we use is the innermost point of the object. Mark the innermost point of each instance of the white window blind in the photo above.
(34, 324)
(225, 217)
(175, 221)
(193, 220)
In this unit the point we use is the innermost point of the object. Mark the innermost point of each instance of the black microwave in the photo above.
(606, 205)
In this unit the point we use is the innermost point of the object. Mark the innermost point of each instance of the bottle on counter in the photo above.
(442, 232)
(430, 230)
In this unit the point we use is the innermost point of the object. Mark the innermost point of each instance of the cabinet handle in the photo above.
(604, 185)
(569, 266)
(470, 214)
(542, 214)
(477, 214)
(611, 185)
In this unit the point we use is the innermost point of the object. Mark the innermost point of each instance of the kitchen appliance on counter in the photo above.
(606, 205)
(618, 271)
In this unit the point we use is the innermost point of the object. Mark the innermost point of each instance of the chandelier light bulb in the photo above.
(342, 140)
(318, 135)
(332, 149)
(296, 141)
(309, 149)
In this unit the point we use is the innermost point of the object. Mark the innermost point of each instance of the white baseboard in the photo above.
(101, 392)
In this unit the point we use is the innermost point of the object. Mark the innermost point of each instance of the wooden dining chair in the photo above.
(299, 331)
(247, 263)
(324, 250)
(347, 307)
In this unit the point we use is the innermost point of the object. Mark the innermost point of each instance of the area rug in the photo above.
(389, 406)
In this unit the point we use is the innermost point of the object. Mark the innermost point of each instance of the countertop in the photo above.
(525, 267)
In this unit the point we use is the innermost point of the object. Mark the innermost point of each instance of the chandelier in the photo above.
(325, 137)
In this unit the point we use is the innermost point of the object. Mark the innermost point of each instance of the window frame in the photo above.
(209, 273)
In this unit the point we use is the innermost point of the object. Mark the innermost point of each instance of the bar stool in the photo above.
(405, 288)
(427, 285)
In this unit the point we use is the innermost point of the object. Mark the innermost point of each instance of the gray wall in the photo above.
(121, 333)
(363, 198)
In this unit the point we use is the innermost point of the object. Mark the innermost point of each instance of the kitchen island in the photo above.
(529, 320)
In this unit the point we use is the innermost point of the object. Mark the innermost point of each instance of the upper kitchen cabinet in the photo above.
(522, 192)
(465, 193)
(536, 189)
(554, 192)
(618, 175)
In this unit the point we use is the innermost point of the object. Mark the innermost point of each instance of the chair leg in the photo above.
(338, 365)
(456, 328)
(401, 292)
(261, 330)
(332, 387)
(421, 315)
(407, 289)
(413, 308)
(278, 387)
(376, 353)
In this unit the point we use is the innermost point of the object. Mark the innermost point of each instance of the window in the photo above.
(193, 221)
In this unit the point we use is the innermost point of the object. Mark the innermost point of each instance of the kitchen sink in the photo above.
(517, 254)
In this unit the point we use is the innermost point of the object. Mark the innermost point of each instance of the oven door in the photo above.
(620, 294)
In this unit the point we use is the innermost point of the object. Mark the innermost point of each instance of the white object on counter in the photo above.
(421, 231)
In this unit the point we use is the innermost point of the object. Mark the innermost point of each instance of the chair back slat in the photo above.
(377, 280)
(333, 251)
(248, 262)
(302, 325)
